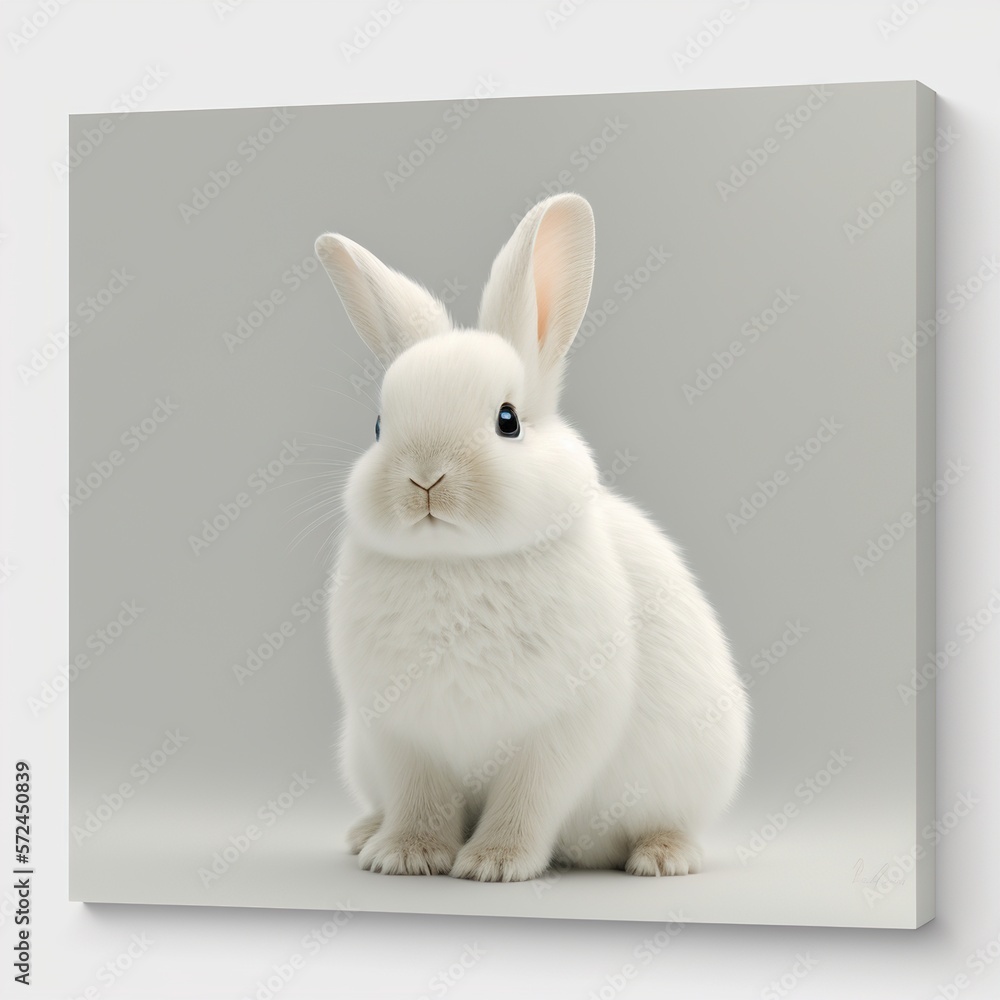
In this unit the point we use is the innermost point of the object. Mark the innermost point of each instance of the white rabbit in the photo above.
(529, 671)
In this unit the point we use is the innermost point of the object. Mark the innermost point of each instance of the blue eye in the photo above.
(507, 423)
(378, 426)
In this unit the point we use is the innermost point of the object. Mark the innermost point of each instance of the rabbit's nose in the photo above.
(427, 489)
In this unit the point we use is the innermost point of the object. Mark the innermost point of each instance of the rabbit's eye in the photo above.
(507, 423)
(378, 426)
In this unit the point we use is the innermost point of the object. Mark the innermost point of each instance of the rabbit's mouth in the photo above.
(435, 519)
(423, 518)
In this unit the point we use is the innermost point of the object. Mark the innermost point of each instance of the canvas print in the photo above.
(508, 506)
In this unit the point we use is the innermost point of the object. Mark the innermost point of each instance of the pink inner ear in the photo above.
(546, 256)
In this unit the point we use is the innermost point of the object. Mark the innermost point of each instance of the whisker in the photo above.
(333, 483)
(335, 471)
(322, 491)
(319, 503)
(313, 526)
(332, 542)
(337, 464)
(356, 387)
(346, 395)
(347, 444)
(329, 484)
(355, 360)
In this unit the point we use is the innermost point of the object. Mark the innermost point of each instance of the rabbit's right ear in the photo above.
(388, 310)
(537, 292)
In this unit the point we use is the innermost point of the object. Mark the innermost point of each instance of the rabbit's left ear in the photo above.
(388, 310)
(539, 286)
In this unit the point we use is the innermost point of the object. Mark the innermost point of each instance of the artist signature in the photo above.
(877, 876)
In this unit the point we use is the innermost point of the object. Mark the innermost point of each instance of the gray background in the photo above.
(654, 185)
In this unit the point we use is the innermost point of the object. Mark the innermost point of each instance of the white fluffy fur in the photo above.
(531, 674)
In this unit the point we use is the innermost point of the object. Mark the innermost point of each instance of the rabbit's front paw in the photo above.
(361, 832)
(408, 854)
(497, 863)
(665, 853)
